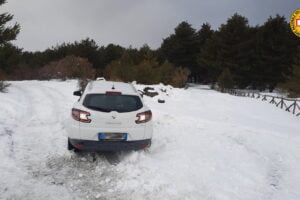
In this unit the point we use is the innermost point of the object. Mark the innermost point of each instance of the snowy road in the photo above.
(206, 145)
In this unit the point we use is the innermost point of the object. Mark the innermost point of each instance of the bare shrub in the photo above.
(120, 70)
(68, 68)
(113, 71)
(3, 86)
(165, 73)
(24, 72)
(148, 71)
(179, 77)
(225, 80)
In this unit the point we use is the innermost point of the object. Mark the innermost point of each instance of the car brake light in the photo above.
(113, 93)
(81, 116)
(144, 117)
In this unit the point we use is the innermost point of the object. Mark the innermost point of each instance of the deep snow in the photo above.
(206, 145)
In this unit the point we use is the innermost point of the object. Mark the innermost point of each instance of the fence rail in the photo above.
(288, 104)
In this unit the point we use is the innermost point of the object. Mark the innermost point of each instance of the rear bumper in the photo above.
(89, 145)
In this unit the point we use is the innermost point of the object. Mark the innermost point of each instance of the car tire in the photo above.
(70, 146)
(148, 146)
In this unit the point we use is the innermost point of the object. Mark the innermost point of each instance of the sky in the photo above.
(46, 23)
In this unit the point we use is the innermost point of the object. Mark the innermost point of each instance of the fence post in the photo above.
(281, 106)
(294, 109)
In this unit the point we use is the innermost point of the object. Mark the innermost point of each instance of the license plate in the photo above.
(112, 136)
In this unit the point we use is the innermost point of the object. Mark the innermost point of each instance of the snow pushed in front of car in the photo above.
(89, 175)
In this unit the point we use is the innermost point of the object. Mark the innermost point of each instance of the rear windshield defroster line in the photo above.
(108, 103)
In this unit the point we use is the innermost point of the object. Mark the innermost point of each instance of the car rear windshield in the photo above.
(108, 103)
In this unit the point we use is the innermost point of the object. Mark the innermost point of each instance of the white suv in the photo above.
(109, 116)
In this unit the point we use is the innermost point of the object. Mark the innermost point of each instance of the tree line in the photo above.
(236, 55)
(256, 57)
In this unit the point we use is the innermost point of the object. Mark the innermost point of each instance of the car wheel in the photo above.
(70, 146)
(149, 145)
(147, 148)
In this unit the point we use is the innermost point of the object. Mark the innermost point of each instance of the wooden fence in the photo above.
(290, 105)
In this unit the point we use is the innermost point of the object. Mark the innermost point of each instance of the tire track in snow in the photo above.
(9, 133)
(18, 182)
(89, 176)
(274, 163)
(7, 137)
(31, 127)
(38, 127)
(275, 175)
(15, 117)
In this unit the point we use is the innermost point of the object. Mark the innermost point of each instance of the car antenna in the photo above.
(113, 87)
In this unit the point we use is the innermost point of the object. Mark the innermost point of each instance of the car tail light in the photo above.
(81, 116)
(144, 117)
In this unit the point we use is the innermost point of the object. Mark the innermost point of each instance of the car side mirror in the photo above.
(77, 93)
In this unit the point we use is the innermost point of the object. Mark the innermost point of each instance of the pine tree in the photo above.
(204, 34)
(182, 48)
(230, 47)
(7, 34)
(276, 48)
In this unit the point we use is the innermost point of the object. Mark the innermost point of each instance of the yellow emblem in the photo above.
(295, 22)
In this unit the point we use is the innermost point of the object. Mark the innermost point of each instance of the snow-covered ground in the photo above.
(206, 145)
